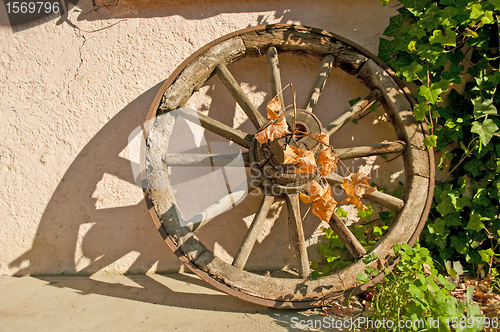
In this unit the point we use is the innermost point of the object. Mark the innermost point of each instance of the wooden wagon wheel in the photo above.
(300, 291)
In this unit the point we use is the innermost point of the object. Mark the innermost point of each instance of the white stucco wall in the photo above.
(71, 93)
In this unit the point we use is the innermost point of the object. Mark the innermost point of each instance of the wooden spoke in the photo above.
(195, 159)
(355, 109)
(370, 150)
(351, 242)
(239, 95)
(223, 204)
(299, 241)
(274, 70)
(235, 135)
(383, 199)
(243, 253)
(324, 72)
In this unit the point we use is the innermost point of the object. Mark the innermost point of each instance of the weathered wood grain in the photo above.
(239, 95)
(297, 229)
(354, 110)
(196, 159)
(246, 247)
(275, 74)
(300, 39)
(370, 150)
(351, 242)
(399, 109)
(234, 135)
(198, 71)
(225, 203)
(319, 84)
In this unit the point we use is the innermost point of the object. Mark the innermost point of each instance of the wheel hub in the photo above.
(267, 159)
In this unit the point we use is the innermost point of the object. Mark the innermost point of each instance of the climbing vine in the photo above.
(448, 52)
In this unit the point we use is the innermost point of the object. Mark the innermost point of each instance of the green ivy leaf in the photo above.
(486, 255)
(453, 220)
(454, 74)
(447, 15)
(495, 78)
(438, 227)
(487, 18)
(430, 141)
(366, 214)
(411, 71)
(368, 258)
(460, 243)
(402, 42)
(386, 48)
(416, 292)
(477, 239)
(483, 108)
(484, 130)
(416, 31)
(476, 11)
(415, 7)
(362, 278)
(377, 231)
(475, 223)
(431, 94)
(488, 211)
(359, 232)
(496, 3)
(438, 240)
(336, 242)
(474, 166)
(421, 111)
(473, 257)
(341, 213)
(481, 41)
(446, 283)
(429, 52)
(447, 39)
(446, 207)
(481, 197)
(394, 27)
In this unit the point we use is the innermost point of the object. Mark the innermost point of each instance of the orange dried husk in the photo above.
(325, 206)
(316, 191)
(355, 186)
(291, 156)
(322, 137)
(273, 107)
(307, 162)
(327, 161)
(303, 159)
(273, 131)
(352, 199)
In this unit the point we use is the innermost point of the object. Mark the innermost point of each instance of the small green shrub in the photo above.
(415, 291)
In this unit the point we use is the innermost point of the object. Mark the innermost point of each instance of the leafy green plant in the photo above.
(335, 252)
(448, 52)
(414, 291)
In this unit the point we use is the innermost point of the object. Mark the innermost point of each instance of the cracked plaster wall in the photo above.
(71, 92)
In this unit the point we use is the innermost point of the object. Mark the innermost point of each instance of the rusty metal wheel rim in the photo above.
(418, 162)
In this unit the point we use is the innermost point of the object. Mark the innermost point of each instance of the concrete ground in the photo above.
(175, 302)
